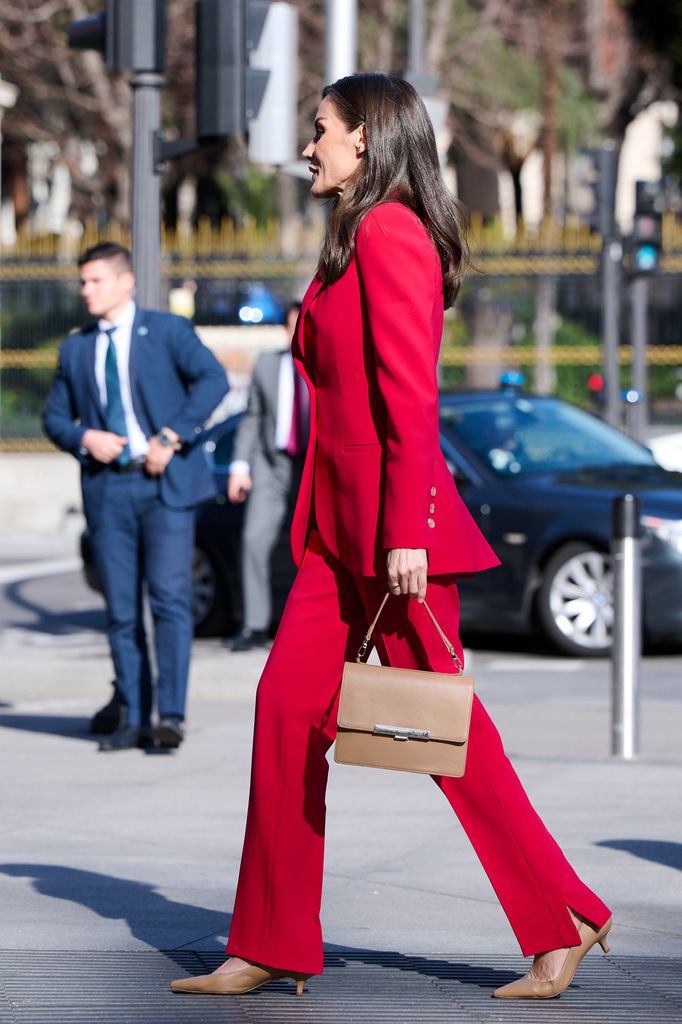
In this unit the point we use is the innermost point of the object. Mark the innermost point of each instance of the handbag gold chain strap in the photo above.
(362, 650)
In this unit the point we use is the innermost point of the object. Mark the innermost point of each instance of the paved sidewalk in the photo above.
(108, 859)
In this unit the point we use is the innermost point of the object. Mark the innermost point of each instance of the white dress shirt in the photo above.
(285, 401)
(137, 441)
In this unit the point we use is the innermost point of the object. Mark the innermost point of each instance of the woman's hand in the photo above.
(406, 569)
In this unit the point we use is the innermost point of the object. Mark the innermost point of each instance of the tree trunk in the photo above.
(384, 56)
(549, 57)
(287, 213)
(477, 186)
(436, 45)
(491, 326)
(545, 319)
(515, 173)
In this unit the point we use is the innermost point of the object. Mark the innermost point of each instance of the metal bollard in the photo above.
(627, 626)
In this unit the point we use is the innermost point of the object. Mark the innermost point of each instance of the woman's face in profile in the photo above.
(333, 153)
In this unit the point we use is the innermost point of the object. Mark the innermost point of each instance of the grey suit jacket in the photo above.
(256, 434)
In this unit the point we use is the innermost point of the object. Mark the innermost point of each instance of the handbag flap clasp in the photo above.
(399, 732)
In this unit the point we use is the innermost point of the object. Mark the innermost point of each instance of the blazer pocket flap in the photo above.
(361, 446)
(405, 703)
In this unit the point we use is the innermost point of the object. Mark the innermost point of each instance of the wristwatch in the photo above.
(167, 441)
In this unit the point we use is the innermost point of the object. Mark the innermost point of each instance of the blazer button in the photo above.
(431, 523)
(433, 492)
(432, 507)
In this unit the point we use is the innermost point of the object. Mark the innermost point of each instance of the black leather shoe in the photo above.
(126, 737)
(109, 718)
(169, 732)
(146, 737)
(247, 639)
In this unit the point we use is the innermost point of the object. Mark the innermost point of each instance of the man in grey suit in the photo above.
(267, 464)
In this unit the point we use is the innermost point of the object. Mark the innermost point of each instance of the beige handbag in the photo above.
(404, 719)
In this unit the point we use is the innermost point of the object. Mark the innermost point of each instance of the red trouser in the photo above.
(276, 919)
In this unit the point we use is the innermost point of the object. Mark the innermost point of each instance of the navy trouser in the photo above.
(139, 540)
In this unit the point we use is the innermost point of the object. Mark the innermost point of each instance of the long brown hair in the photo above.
(400, 164)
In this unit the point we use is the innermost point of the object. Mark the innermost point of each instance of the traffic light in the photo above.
(130, 34)
(647, 226)
(273, 133)
(229, 91)
(602, 180)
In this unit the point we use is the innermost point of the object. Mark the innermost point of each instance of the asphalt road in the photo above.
(58, 611)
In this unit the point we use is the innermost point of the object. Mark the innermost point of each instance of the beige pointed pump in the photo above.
(237, 983)
(528, 988)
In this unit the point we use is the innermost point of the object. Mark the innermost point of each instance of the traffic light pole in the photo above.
(341, 39)
(612, 258)
(146, 188)
(606, 165)
(131, 36)
(639, 296)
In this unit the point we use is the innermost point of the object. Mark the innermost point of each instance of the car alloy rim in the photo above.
(203, 586)
(581, 600)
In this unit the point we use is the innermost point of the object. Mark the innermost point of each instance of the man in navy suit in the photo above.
(129, 400)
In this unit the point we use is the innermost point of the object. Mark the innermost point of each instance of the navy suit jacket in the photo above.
(175, 381)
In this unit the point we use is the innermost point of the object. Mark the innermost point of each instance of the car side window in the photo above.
(453, 461)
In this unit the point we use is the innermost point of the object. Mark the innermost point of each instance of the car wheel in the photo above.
(575, 600)
(209, 606)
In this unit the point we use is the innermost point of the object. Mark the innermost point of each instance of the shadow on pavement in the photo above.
(427, 967)
(148, 914)
(151, 916)
(53, 623)
(73, 727)
(657, 850)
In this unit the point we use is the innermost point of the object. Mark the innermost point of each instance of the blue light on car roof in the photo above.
(512, 379)
(250, 314)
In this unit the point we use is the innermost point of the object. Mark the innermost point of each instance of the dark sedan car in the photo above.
(217, 595)
(539, 477)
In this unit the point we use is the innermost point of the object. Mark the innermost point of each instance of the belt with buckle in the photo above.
(134, 466)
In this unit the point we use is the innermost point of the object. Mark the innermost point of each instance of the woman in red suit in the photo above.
(378, 508)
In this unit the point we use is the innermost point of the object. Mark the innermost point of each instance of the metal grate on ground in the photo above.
(358, 987)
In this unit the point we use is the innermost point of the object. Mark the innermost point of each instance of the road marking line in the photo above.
(29, 637)
(36, 570)
(535, 665)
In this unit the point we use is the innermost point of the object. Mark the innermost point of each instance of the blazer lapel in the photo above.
(139, 337)
(298, 345)
(90, 346)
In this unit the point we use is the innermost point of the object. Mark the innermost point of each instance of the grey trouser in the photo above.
(268, 503)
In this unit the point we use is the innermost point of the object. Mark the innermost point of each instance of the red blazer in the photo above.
(367, 346)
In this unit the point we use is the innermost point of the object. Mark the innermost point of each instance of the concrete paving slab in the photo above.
(124, 855)
(101, 837)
